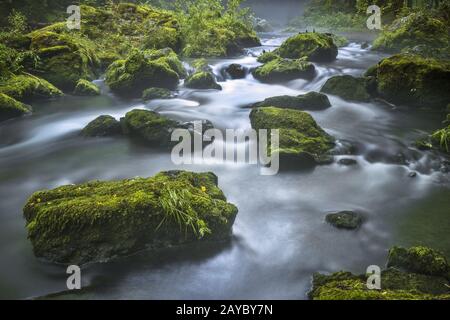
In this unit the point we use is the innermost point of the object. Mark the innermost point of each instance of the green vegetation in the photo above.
(11, 108)
(310, 101)
(103, 126)
(202, 80)
(301, 139)
(86, 88)
(347, 87)
(26, 87)
(98, 221)
(280, 70)
(424, 279)
(156, 93)
(312, 46)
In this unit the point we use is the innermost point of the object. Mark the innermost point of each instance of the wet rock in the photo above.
(156, 93)
(101, 220)
(345, 220)
(347, 87)
(11, 108)
(348, 162)
(86, 88)
(281, 70)
(267, 57)
(365, 45)
(236, 71)
(412, 174)
(27, 88)
(310, 101)
(420, 259)
(202, 80)
(102, 126)
(316, 47)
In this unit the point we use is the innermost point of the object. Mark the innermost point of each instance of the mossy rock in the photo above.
(149, 127)
(281, 70)
(311, 101)
(267, 57)
(421, 260)
(86, 88)
(64, 57)
(345, 220)
(202, 80)
(27, 88)
(236, 71)
(103, 126)
(416, 29)
(301, 140)
(98, 221)
(141, 70)
(412, 80)
(347, 87)
(316, 47)
(156, 93)
(395, 285)
(11, 108)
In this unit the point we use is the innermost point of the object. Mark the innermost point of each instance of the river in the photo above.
(280, 237)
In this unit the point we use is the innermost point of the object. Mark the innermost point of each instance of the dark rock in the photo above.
(102, 126)
(345, 220)
(236, 71)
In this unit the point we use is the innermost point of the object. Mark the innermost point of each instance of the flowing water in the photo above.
(280, 238)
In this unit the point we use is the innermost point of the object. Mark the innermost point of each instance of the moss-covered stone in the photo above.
(416, 29)
(310, 101)
(301, 140)
(280, 70)
(344, 220)
(11, 108)
(236, 71)
(98, 221)
(347, 87)
(156, 93)
(26, 88)
(202, 80)
(395, 285)
(267, 57)
(86, 88)
(314, 46)
(141, 70)
(421, 260)
(149, 127)
(413, 80)
(102, 126)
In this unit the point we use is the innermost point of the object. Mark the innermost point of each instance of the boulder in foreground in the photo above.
(98, 221)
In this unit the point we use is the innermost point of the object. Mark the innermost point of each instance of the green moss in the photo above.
(11, 108)
(310, 101)
(202, 80)
(313, 46)
(86, 88)
(156, 93)
(143, 69)
(440, 139)
(267, 57)
(416, 29)
(419, 260)
(28, 87)
(414, 81)
(102, 126)
(344, 220)
(97, 221)
(347, 87)
(149, 127)
(300, 136)
(281, 70)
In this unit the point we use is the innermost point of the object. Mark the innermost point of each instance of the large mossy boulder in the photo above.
(412, 80)
(395, 285)
(11, 108)
(144, 69)
(347, 87)
(98, 221)
(316, 47)
(86, 88)
(416, 29)
(103, 126)
(202, 80)
(311, 101)
(281, 70)
(64, 58)
(26, 88)
(421, 260)
(149, 127)
(301, 140)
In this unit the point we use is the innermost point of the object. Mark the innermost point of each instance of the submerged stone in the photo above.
(281, 70)
(345, 220)
(310, 101)
(347, 87)
(102, 126)
(100, 220)
(317, 47)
